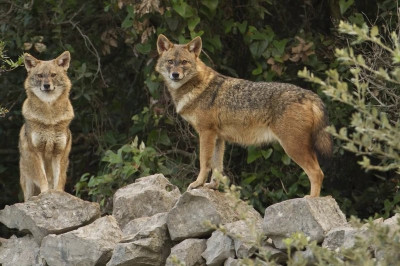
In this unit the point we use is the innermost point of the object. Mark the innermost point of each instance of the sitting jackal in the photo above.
(45, 138)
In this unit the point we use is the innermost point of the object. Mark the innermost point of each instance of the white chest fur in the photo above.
(49, 138)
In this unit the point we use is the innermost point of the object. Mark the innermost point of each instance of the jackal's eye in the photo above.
(184, 62)
(170, 62)
(40, 76)
(53, 75)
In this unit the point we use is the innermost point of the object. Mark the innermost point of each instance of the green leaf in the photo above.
(192, 23)
(258, 47)
(258, 70)
(153, 87)
(143, 48)
(249, 179)
(253, 154)
(242, 26)
(267, 153)
(344, 5)
(183, 9)
(374, 31)
(285, 159)
(210, 4)
(164, 139)
(280, 45)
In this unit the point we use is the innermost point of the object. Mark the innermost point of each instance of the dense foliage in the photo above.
(125, 124)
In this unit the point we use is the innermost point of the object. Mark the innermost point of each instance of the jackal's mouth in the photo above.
(47, 88)
(176, 79)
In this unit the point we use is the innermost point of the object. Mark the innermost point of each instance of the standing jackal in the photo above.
(45, 138)
(223, 108)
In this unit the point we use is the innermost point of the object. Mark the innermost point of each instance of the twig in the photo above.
(92, 49)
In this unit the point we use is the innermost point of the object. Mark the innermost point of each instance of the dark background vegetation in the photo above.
(125, 124)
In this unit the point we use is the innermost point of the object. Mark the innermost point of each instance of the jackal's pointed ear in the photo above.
(63, 60)
(30, 61)
(195, 45)
(163, 44)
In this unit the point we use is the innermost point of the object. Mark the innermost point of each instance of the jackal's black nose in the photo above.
(175, 75)
(46, 86)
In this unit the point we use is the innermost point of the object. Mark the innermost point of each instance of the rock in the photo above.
(393, 223)
(274, 254)
(53, 212)
(194, 207)
(88, 245)
(231, 262)
(385, 254)
(305, 257)
(312, 216)
(144, 198)
(188, 252)
(245, 235)
(219, 248)
(343, 236)
(22, 251)
(145, 242)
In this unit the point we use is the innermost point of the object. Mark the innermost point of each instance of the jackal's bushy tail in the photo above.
(322, 140)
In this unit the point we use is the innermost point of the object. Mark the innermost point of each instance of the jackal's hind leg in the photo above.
(217, 163)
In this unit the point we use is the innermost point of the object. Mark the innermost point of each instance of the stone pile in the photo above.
(153, 224)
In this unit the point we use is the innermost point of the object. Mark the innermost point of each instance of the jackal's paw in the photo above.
(211, 185)
(310, 197)
(193, 185)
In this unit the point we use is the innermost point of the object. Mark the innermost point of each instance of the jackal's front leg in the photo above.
(56, 166)
(207, 146)
(32, 173)
(60, 165)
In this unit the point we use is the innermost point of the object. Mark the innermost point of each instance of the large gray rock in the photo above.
(145, 242)
(195, 207)
(22, 251)
(312, 216)
(147, 196)
(53, 212)
(231, 262)
(246, 235)
(343, 236)
(188, 252)
(219, 248)
(88, 245)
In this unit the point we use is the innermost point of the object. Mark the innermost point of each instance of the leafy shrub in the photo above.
(130, 162)
(7, 64)
(374, 93)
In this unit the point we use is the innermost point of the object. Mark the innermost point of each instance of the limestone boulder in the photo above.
(22, 251)
(231, 262)
(343, 236)
(188, 217)
(52, 212)
(89, 245)
(393, 223)
(313, 216)
(144, 198)
(188, 252)
(220, 247)
(146, 242)
(245, 235)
